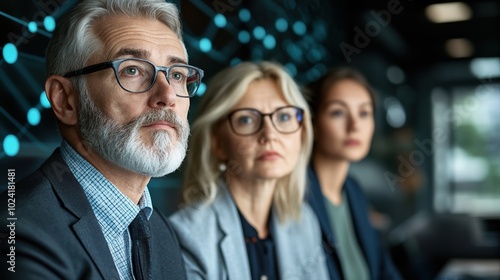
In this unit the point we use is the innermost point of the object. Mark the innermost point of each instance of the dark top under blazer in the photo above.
(379, 263)
(57, 235)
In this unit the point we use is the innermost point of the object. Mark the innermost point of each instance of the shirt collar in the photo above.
(114, 211)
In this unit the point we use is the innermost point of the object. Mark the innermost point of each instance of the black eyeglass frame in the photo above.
(115, 63)
(262, 115)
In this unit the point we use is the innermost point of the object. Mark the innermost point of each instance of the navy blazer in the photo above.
(57, 235)
(379, 263)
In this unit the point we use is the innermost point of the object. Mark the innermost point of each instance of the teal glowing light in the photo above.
(32, 27)
(205, 45)
(220, 20)
(292, 69)
(269, 42)
(201, 89)
(34, 116)
(9, 52)
(44, 101)
(244, 15)
(11, 145)
(49, 23)
(244, 36)
(235, 61)
(299, 28)
(259, 32)
(281, 25)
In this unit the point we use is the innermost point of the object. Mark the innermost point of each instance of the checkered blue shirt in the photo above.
(114, 211)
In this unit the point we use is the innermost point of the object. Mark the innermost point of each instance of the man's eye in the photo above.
(131, 71)
(177, 76)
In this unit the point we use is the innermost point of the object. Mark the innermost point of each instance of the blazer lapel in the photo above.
(315, 199)
(284, 241)
(359, 214)
(232, 244)
(96, 246)
(87, 228)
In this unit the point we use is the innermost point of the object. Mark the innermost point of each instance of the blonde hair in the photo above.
(201, 173)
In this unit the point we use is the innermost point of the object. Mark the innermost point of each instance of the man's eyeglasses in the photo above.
(249, 121)
(139, 75)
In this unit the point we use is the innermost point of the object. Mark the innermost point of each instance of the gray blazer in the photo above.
(213, 246)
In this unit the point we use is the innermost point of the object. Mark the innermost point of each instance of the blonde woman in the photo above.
(243, 191)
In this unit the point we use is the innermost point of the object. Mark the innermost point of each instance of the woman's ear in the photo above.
(217, 149)
(63, 99)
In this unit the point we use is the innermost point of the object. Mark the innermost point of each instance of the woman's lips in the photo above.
(352, 143)
(270, 155)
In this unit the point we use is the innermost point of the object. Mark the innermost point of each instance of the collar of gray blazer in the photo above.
(232, 246)
(286, 237)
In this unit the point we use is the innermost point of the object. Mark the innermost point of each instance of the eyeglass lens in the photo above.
(138, 76)
(249, 121)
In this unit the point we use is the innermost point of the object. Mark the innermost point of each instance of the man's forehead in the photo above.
(140, 38)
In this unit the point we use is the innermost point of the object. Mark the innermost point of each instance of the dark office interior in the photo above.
(433, 172)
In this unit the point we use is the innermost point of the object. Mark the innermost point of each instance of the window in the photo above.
(466, 134)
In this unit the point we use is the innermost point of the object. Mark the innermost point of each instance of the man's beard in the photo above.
(122, 144)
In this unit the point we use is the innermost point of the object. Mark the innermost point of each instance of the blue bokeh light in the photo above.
(34, 116)
(235, 61)
(320, 31)
(44, 100)
(299, 28)
(49, 23)
(269, 42)
(220, 20)
(32, 27)
(11, 145)
(205, 45)
(244, 15)
(314, 55)
(201, 90)
(9, 52)
(281, 25)
(259, 32)
(293, 50)
(313, 74)
(291, 68)
(244, 36)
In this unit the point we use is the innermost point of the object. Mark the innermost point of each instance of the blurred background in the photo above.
(433, 174)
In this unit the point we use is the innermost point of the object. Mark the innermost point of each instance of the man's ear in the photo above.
(63, 99)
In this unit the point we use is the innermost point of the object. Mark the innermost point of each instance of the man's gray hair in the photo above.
(73, 41)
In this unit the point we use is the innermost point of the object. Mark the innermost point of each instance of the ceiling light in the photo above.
(458, 48)
(448, 12)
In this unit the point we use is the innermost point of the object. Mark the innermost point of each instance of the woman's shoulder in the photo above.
(193, 216)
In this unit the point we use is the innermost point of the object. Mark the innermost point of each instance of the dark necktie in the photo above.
(140, 233)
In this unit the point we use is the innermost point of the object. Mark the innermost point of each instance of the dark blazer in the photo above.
(57, 235)
(379, 263)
